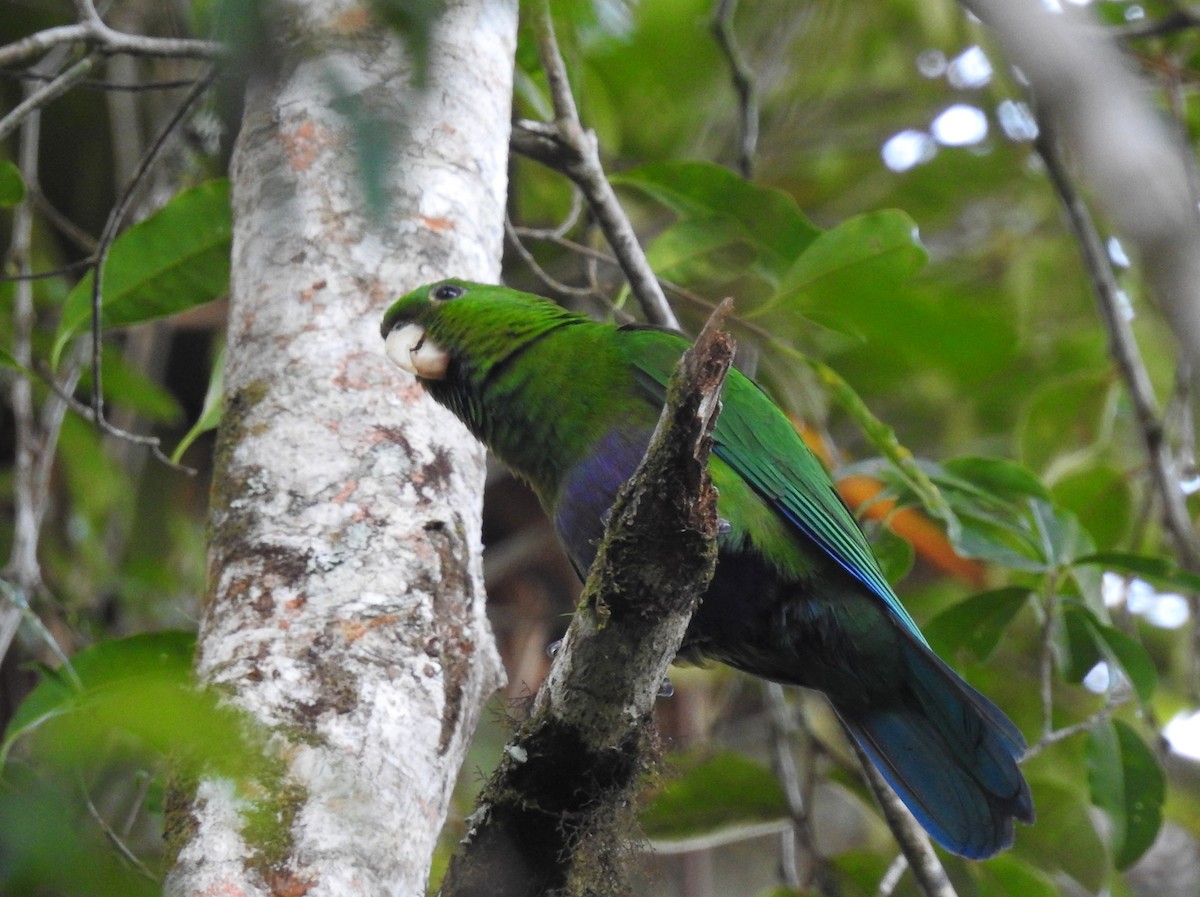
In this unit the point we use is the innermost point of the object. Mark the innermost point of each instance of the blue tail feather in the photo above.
(951, 756)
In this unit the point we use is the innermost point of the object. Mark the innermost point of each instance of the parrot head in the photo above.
(445, 325)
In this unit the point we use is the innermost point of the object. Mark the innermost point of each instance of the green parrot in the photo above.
(569, 405)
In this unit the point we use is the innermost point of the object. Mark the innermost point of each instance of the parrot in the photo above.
(569, 405)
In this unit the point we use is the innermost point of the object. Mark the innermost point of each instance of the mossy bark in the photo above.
(556, 815)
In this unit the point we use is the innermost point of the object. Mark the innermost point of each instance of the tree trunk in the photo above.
(346, 608)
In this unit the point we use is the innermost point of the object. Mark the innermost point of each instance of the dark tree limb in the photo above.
(552, 816)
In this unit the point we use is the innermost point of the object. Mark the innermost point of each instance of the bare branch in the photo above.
(806, 866)
(1135, 163)
(1164, 470)
(98, 36)
(914, 843)
(552, 806)
(744, 85)
(568, 147)
(47, 93)
(109, 235)
(514, 240)
(1057, 735)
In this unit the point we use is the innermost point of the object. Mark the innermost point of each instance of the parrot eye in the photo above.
(446, 292)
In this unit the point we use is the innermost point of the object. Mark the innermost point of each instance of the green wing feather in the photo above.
(760, 444)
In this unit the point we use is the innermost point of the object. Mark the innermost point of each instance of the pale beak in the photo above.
(411, 349)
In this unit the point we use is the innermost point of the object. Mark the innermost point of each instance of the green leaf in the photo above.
(770, 219)
(999, 539)
(138, 688)
(1005, 876)
(12, 185)
(1100, 497)
(699, 249)
(1061, 537)
(1064, 839)
(997, 477)
(1125, 780)
(167, 655)
(871, 253)
(174, 260)
(978, 623)
(1133, 658)
(1088, 640)
(210, 414)
(713, 792)
(1079, 650)
(895, 554)
(1161, 571)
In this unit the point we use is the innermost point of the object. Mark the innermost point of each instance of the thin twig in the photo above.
(914, 843)
(69, 268)
(65, 225)
(108, 41)
(22, 568)
(88, 413)
(47, 93)
(514, 240)
(106, 85)
(1057, 735)
(568, 147)
(1125, 352)
(799, 871)
(115, 839)
(109, 234)
(721, 25)
(892, 876)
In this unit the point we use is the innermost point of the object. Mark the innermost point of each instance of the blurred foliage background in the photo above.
(1031, 549)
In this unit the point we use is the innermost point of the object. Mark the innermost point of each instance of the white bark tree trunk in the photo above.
(346, 607)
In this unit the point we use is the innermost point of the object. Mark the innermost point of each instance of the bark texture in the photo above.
(346, 607)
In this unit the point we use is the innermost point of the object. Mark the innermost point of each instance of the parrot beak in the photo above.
(411, 349)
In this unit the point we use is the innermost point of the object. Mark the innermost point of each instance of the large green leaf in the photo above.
(1085, 641)
(1125, 780)
(978, 623)
(1155, 569)
(712, 793)
(1102, 500)
(995, 477)
(770, 219)
(140, 687)
(868, 255)
(1064, 838)
(699, 249)
(173, 260)
(1005, 876)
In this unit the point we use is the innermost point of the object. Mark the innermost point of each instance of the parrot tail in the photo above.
(949, 753)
